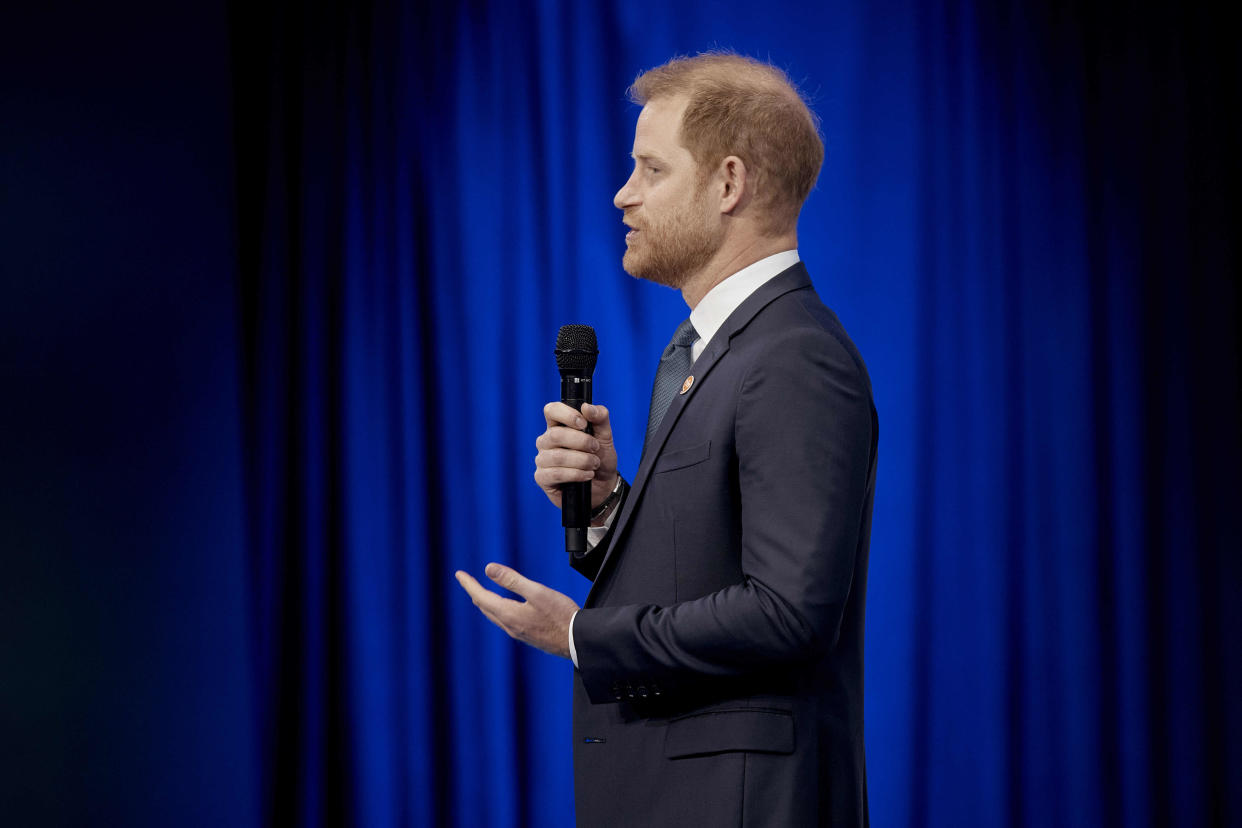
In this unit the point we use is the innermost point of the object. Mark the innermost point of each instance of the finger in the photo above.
(563, 458)
(494, 606)
(512, 580)
(550, 478)
(561, 437)
(557, 413)
(472, 587)
(598, 416)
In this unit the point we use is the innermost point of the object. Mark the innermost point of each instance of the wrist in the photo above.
(608, 505)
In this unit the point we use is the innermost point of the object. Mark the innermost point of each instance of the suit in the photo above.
(720, 648)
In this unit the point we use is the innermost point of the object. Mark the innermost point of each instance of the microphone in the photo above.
(576, 352)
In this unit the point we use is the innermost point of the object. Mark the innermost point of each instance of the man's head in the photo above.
(721, 137)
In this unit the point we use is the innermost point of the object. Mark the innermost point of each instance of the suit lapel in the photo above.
(792, 278)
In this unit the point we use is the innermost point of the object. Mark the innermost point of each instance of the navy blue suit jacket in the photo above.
(720, 648)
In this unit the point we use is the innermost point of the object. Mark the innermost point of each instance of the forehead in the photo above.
(658, 131)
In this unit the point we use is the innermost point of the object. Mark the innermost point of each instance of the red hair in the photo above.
(741, 106)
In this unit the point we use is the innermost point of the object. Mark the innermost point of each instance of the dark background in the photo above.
(250, 251)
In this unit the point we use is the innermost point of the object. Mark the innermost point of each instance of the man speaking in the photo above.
(719, 653)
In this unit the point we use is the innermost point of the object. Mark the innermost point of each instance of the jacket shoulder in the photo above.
(799, 324)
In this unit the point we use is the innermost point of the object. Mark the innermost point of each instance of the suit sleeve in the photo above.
(804, 436)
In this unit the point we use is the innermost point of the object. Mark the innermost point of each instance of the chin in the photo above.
(636, 266)
(627, 264)
(657, 270)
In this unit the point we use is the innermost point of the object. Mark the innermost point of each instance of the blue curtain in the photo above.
(279, 285)
(1024, 221)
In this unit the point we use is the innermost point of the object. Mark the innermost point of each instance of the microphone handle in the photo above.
(576, 497)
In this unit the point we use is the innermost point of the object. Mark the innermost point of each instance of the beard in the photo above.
(671, 252)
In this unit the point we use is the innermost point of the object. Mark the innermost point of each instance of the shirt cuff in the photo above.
(573, 652)
(595, 534)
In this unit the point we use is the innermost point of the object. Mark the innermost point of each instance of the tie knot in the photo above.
(685, 335)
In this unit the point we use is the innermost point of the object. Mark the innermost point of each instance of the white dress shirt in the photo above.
(707, 317)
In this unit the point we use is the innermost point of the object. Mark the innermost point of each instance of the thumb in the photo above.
(598, 417)
(510, 579)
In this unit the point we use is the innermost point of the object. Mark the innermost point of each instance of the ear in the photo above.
(733, 183)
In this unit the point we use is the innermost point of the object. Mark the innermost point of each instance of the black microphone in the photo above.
(576, 352)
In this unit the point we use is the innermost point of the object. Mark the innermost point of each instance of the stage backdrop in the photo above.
(1013, 221)
(374, 217)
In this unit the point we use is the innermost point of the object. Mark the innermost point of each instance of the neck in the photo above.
(731, 258)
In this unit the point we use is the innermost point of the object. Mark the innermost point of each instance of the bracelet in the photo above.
(608, 502)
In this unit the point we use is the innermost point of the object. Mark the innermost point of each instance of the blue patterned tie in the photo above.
(675, 364)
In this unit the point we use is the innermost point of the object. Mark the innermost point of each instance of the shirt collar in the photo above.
(722, 300)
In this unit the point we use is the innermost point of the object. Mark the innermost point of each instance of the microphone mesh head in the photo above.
(576, 349)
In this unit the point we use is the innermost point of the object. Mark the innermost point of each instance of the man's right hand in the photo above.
(567, 454)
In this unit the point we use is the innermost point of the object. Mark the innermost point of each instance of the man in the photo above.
(719, 650)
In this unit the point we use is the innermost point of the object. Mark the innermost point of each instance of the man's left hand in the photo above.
(542, 620)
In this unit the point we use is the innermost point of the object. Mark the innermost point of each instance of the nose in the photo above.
(627, 196)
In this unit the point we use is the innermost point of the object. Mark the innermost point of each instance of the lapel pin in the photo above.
(685, 386)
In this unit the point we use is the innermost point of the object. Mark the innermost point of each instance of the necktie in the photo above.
(674, 366)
